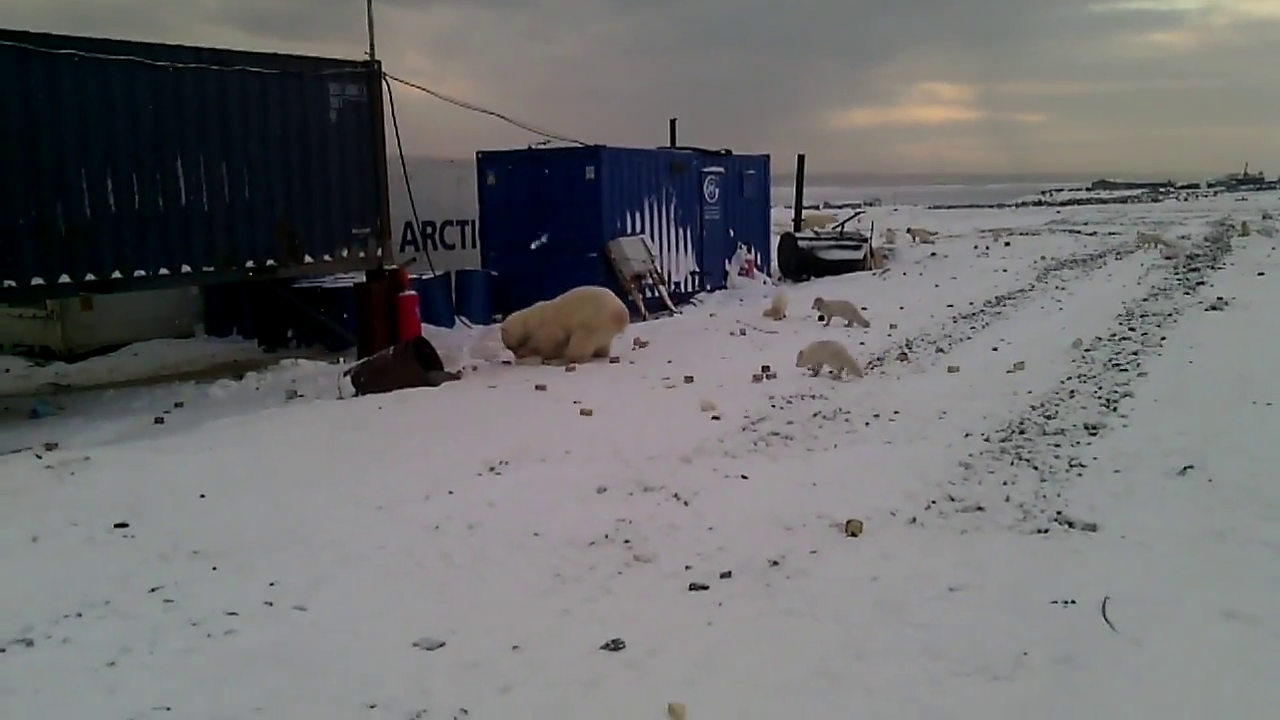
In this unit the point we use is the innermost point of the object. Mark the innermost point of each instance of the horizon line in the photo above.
(1045, 177)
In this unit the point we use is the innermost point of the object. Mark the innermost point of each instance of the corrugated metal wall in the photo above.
(125, 160)
(656, 193)
(546, 216)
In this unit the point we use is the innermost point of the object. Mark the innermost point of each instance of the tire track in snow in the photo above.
(804, 421)
(1055, 275)
(1018, 480)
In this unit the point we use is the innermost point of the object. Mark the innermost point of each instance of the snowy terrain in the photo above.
(1094, 535)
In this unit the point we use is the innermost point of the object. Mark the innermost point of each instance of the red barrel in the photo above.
(408, 316)
(399, 279)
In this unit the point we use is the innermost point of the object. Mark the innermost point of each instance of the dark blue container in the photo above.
(542, 208)
(473, 295)
(136, 157)
(435, 299)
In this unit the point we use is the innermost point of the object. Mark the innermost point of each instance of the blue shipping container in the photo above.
(547, 214)
(123, 160)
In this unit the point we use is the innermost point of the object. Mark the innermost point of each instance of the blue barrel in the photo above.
(339, 305)
(307, 328)
(219, 316)
(245, 314)
(435, 298)
(473, 293)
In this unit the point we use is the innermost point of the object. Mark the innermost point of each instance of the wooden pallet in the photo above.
(634, 263)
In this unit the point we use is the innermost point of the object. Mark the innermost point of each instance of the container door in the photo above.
(716, 246)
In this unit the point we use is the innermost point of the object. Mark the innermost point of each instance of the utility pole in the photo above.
(368, 21)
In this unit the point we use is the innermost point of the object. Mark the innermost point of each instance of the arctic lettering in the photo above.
(437, 235)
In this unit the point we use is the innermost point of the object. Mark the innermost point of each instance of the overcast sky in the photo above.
(1139, 87)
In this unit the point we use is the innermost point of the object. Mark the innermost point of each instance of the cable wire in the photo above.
(276, 71)
(485, 111)
(195, 66)
(408, 185)
(404, 167)
(387, 78)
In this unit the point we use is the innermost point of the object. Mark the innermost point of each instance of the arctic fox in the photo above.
(777, 309)
(921, 235)
(1152, 240)
(840, 309)
(831, 354)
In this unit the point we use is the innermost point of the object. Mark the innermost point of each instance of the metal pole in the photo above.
(379, 137)
(671, 131)
(797, 216)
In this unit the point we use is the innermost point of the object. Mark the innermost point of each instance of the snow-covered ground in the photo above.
(1092, 536)
(138, 362)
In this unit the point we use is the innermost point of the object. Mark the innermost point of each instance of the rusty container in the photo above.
(411, 364)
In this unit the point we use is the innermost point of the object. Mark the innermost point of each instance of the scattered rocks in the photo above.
(540, 387)
(586, 412)
(688, 379)
(698, 587)
(1077, 343)
(614, 645)
(677, 711)
(158, 420)
(706, 405)
(757, 378)
(953, 369)
(615, 360)
(853, 528)
(570, 368)
(429, 644)
(24, 643)
(639, 344)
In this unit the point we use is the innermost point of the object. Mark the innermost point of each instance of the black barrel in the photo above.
(411, 364)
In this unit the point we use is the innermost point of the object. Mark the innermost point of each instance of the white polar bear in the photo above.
(575, 327)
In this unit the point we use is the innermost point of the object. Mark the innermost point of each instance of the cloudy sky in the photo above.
(1137, 87)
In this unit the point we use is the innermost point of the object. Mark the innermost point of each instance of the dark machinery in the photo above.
(822, 253)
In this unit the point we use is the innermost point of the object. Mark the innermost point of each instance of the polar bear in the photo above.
(575, 327)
